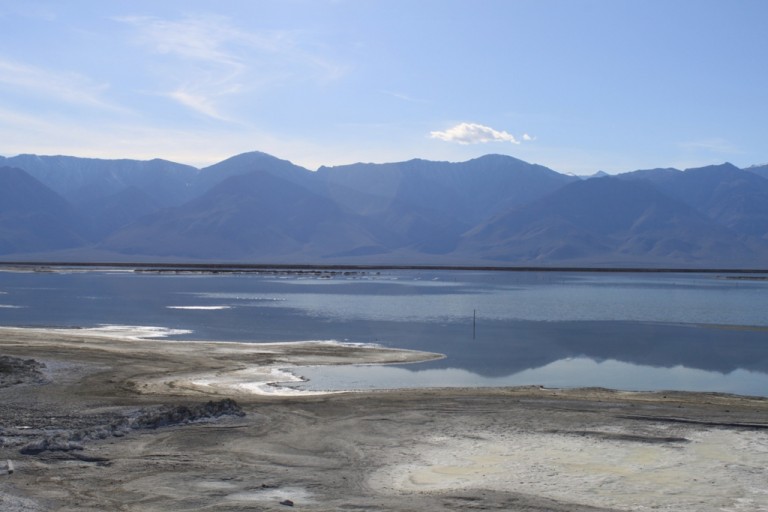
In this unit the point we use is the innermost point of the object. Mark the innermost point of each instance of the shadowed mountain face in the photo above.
(109, 194)
(734, 198)
(244, 164)
(466, 192)
(247, 216)
(423, 207)
(33, 217)
(493, 209)
(605, 219)
(409, 208)
(80, 180)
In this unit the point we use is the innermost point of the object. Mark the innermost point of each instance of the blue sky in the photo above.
(576, 85)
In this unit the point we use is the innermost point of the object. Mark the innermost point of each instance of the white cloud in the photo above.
(197, 102)
(472, 133)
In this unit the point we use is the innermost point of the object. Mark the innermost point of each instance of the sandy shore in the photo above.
(452, 449)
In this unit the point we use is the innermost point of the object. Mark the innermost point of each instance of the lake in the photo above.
(632, 331)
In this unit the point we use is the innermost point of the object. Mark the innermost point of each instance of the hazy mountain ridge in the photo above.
(494, 209)
(760, 170)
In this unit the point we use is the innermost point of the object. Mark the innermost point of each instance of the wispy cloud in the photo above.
(211, 58)
(202, 39)
(198, 102)
(401, 96)
(55, 135)
(713, 145)
(67, 87)
(472, 133)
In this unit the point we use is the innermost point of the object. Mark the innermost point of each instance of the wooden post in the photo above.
(10, 467)
(474, 323)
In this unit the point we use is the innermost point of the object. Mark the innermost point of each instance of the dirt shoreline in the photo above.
(439, 449)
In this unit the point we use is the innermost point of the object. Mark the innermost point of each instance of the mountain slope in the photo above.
(655, 176)
(111, 193)
(607, 220)
(466, 192)
(109, 213)
(760, 170)
(33, 217)
(734, 198)
(255, 215)
(85, 179)
(247, 163)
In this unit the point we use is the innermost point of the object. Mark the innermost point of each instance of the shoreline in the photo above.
(234, 267)
(258, 377)
(517, 449)
(275, 378)
(241, 368)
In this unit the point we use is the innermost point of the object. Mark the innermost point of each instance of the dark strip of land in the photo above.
(262, 267)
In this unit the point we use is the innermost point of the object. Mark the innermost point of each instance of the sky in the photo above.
(579, 86)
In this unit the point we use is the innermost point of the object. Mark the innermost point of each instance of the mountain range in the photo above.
(494, 210)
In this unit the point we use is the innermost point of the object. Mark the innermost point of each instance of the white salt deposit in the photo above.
(718, 470)
(127, 331)
(258, 380)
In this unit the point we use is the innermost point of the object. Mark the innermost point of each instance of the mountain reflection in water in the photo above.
(564, 373)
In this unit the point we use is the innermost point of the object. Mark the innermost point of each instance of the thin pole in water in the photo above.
(474, 322)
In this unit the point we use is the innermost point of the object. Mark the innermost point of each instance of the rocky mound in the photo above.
(165, 416)
(14, 370)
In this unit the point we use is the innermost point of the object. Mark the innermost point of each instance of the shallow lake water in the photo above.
(637, 331)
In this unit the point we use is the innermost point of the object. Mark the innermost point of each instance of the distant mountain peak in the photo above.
(495, 156)
(725, 166)
(252, 156)
(499, 159)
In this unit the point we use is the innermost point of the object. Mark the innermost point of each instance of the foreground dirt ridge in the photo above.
(211, 439)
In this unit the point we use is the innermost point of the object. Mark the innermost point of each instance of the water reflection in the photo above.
(504, 348)
(564, 373)
(528, 323)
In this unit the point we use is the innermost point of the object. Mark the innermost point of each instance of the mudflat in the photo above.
(99, 420)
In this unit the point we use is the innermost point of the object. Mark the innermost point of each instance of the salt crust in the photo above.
(717, 470)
